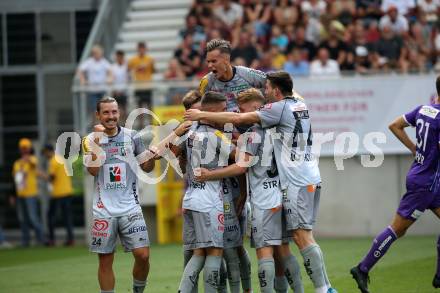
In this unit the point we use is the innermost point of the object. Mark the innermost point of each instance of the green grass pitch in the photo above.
(407, 268)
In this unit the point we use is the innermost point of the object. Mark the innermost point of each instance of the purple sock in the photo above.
(380, 246)
(438, 257)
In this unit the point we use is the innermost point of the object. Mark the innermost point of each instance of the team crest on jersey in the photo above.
(429, 111)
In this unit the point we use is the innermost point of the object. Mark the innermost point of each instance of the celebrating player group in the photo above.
(246, 150)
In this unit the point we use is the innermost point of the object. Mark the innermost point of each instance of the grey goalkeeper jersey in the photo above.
(263, 179)
(208, 148)
(293, 148)
(116, 186)
(243, 79)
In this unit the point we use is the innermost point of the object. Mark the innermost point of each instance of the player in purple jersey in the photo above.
(422, 184)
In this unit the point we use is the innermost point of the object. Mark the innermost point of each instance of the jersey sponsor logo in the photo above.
(135, 217)
(227, 207)
(239, 88)
(123, 143)
(232, 228)
(115, 176)
(137, 229)
(100, 225)
(113, 150)
(429, 111)
(221, 218)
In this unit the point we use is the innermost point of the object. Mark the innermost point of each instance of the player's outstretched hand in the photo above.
(183, 128)
(192, 115)
(201, 174)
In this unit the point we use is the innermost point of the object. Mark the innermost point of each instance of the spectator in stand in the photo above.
(314, 8)
(437, 50)
(363, 63)
(397, 22)
(277, 56)
(368, 10)
(404, 7)
(95, 72)
(231, 14)
(312, 28)
(188, 58)
(372, 33)
(389, 51)
(61, 195)
(296, 65)
(308, 49)
(323, 66)
(416, 49)
(265, 62)
(345, 11)
(142, 68)
(286, 13)
(246, 50)
(259, 16)
(120, 79)
(193, 29)
(25, 173)
(336, 47)
(278, 38)
(430, 8)
(239, 61)
(363, 51)
(174, 71)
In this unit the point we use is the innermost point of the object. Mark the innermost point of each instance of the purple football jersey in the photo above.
(424, 172)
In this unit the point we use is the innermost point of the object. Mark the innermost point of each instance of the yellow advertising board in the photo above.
(170, 190)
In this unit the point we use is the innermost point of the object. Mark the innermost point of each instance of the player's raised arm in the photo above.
(223, 117)
(397, 127)
(88, 149)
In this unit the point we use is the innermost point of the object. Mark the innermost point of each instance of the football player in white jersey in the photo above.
(298, 169)
(116, 210)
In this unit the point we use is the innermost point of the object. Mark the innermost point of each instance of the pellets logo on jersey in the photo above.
(115, 174)
(100, 225)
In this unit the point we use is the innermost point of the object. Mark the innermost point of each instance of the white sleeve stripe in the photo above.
(404, 118)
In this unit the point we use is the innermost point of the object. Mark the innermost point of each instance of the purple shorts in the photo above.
(416, 201)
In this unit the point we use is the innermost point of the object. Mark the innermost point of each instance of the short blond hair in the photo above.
(250, 95)
(190, 98)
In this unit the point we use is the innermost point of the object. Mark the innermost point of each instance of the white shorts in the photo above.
(266, 227)
(131, 229)
(300, 204)
(203, 230)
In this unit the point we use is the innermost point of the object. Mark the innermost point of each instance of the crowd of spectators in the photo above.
(313, 37)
